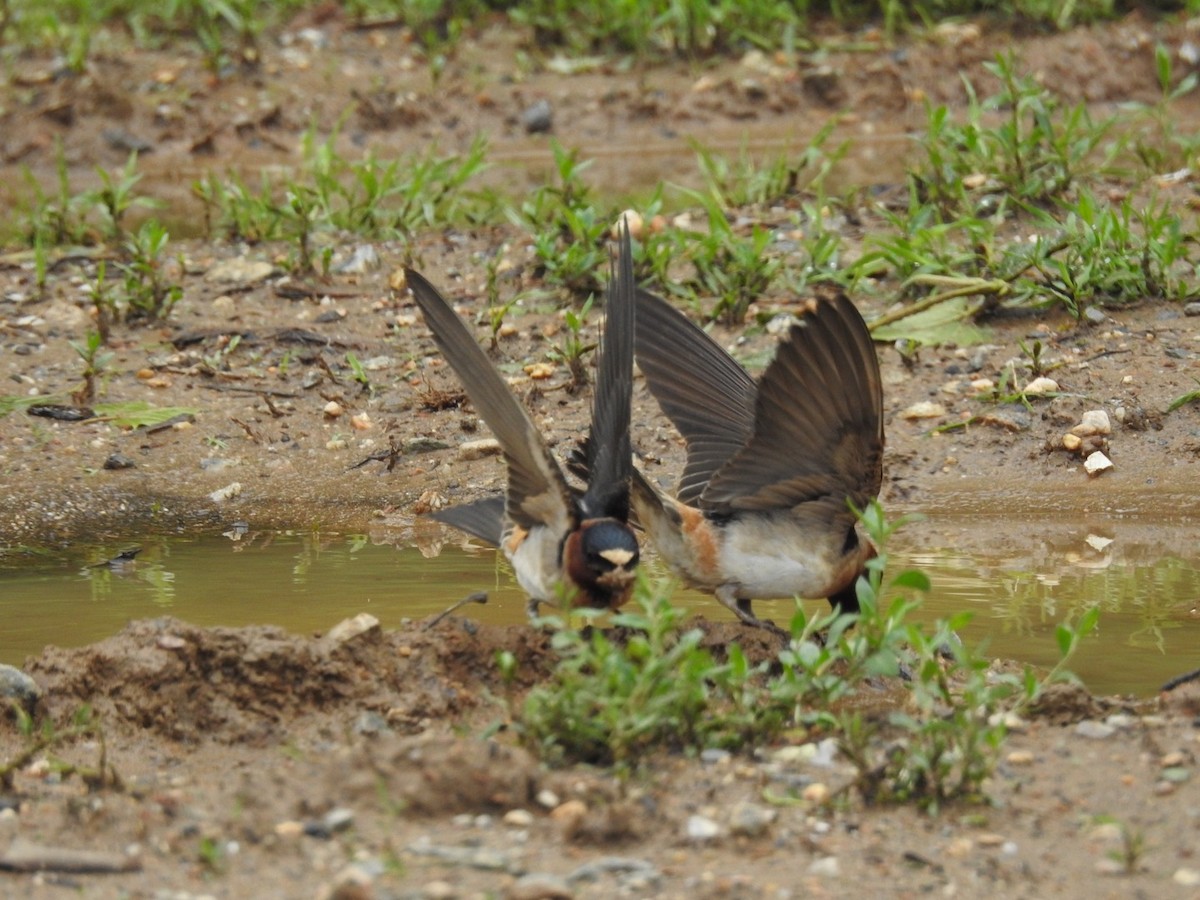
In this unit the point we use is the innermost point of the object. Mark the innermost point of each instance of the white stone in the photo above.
(926, 409)
(633, 221)
(1095, 421)
(479, 449)
(1042, 385)
(1186, 877)
(521, 818)
(226, 493)
(702, 828)
(827, 866)
(348, 629)
(1097, 463)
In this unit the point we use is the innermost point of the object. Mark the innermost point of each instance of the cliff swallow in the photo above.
(561, 543)
(761, 510)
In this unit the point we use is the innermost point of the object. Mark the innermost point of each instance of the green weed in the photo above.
(572, 347)
(149, 293)
(116, 196)
(1035, 151)
(741, 181)
(737, 271)
(38, 741)
(95, 362)
(649, 685)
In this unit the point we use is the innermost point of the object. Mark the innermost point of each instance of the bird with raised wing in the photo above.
(763, 505)
(561, 543)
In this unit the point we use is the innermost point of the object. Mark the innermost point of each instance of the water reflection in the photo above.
(1019, 585)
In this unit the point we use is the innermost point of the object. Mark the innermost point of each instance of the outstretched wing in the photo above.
(537, 491)
(818, 425)
(483, 518)
(609, 451)
(704, 391)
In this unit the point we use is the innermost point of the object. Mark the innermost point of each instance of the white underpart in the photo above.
(775, 556)
(536, 563)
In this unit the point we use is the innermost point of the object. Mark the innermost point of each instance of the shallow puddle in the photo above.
(1018, 579)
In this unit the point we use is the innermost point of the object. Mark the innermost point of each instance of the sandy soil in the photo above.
(252, 759)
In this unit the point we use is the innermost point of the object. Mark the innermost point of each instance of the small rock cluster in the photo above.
(1088, 440)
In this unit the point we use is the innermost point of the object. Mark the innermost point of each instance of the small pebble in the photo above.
(1020, 758)
(1110, 866)
(633, 221)
(714, 756)
(226, 493)
(520, 818)
(1090, 728)
(333, 409)
(827, 867)
(547, 799)
(1186, 877)
(702, 828)
(479, 449)
(816, 793)
(1042, 385)
(538, 117)
(1175, 758)
(1097, 463)
(750, 819)
(1094, 421)
(540, 886)
(569, 814)
(18, 686)
(289, 829)
(926, 409)
(349, 629)
(338, 819)
(960, 848)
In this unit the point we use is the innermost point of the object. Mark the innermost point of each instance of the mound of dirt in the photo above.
(237, 685)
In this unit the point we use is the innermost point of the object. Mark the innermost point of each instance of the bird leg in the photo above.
(741, 609)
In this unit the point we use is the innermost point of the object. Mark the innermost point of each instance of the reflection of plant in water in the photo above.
(102, 580)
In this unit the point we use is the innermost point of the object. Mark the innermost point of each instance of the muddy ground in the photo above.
(252, 760)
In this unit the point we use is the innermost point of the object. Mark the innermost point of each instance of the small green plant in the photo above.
(95, 362)
(571, 260)
(1034, 155)
(371, 198)
(59, 218)
(735, 270)
(116, 196)
(211, 855)
(1184, 399)
(651, 685)
(1131, 854)
(359, 373)
(1166, 147)
(38, 741)
(573, 347)
(741, 181)
(149, 293)
(1113, 255)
